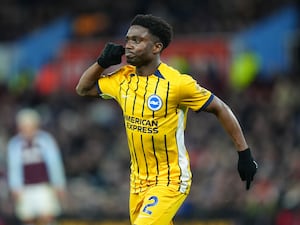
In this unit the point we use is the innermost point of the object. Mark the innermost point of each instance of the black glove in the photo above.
(111, 55)
(247, 167)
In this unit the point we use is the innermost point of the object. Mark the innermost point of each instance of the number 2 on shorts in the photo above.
(155, 201)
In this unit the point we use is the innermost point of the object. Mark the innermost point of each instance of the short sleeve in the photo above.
(107, 87)
(192, 95)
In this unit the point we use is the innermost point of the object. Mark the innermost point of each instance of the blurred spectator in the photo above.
(288, 217)
(35, 171)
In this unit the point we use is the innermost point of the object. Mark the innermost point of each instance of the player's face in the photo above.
(141, 46)
(28, 129)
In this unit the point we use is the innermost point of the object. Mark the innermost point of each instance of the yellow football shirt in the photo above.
(155, 109)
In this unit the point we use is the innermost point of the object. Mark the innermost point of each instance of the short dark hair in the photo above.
(157, 27)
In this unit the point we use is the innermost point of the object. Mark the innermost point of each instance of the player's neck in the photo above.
(148, 69)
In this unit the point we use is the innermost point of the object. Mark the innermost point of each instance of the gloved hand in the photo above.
(247, 167)
(111, 55)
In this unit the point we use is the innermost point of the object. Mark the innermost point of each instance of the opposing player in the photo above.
(35, 171)
(155, 99)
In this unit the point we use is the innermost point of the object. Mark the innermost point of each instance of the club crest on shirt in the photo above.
(154, 102)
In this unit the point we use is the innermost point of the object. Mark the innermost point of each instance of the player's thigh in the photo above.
(135, 204)
(25, 205)
(47, 201)
(24, 209)
(37, 200)
(159, 206)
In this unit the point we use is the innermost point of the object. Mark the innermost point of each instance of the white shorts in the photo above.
(36, 201)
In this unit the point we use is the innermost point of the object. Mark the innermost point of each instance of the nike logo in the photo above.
(125, 96)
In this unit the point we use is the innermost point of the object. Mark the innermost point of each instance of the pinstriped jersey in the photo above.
(155, 109)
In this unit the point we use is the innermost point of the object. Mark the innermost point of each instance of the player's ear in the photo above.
(158, 47)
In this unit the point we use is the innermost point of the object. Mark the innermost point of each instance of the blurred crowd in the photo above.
(91, 135)
(105, 17)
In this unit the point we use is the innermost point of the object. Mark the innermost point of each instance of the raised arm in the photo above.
(87, 83)
(246, 165)
(110, 55)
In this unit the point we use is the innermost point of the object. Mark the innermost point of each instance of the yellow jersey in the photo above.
(155, 109)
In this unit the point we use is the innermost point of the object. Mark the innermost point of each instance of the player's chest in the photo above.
(148, 97)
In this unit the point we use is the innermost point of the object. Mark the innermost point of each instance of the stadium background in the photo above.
(247, 52)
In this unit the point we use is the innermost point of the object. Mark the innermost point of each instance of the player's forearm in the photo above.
(229, 122)
(232, 127)
(88, 80)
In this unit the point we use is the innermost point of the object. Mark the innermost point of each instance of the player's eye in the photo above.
(133, 40)
(137, 40)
